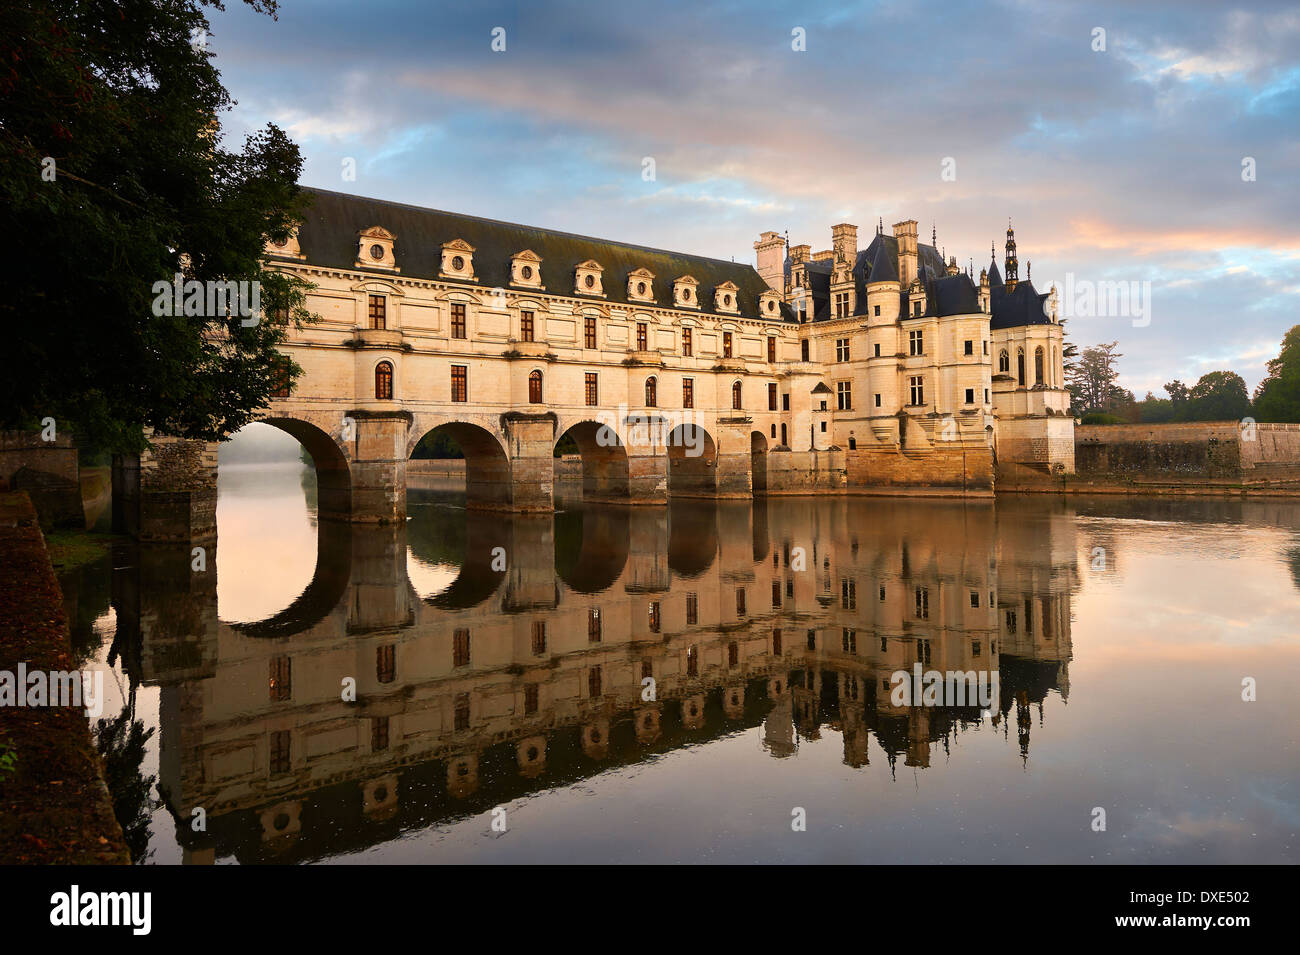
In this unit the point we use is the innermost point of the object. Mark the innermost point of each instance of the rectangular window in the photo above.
(917, 389)
(733, 654)
(740, 601)
(974, 598)
(771, 396)
(841, 349)
(593, 682)
(848, 593)
(692, 609)
(647, 668)
(460, 648)
(986, 396)
(789, 587)
(641, 335)
(279, 752)
(916, 343)
(785, 403)
(460, 383)
(812, 639)
(776, 594)
(688, 392)
(876, 310)
(922, 603)
(280, 383)
(281, 682)
(916, 308)
(379, 733)
(803, 349)
(877, 400)
(850, 640)
(378, 311)
(726, 344)
(771, 349)
(526, 326)
(876, 348)
(974, 648)
(686, 342)
(841, 304)
(1011, 621)
(970, 396)
(462, 711)
(970, 347)
(923, 651)
(594, 628)
(776, 642)
(655, 621)
(386, 663)
(530, 698)
(882, 593)
(589, 331)
(884, 644)
(1029, 617)
(592, 391)
(539, 637)
(844, 395)
(458, 321)
(693, 661)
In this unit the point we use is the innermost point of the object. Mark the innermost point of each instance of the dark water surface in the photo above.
(1119, 632)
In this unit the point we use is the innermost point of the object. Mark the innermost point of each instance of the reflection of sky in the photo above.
(429, 579)
(266, 544)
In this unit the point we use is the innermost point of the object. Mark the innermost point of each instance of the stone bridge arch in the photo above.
(604, 454)
(322, 437)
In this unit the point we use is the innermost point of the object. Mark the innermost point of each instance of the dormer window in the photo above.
(375, 249)
(285, 245)
(587, 279)
(725, 298)
(769, 305)
(684, 290)
(458, 260)
(526, 269)
(641, 286)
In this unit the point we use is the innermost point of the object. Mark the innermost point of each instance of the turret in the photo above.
(770, 251)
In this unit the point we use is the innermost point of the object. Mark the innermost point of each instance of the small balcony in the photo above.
(377, 338)
(637, 357)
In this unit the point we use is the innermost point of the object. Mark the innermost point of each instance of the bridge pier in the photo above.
(167, 493)
(378, 466)
(734, 461)
(530, 443)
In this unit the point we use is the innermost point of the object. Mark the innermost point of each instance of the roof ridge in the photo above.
(521, 225)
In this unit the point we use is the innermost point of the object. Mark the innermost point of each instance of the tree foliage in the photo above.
(113, 177)
(1091, 380)
(1278, 396)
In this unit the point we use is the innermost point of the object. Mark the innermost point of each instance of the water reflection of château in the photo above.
(509, 681)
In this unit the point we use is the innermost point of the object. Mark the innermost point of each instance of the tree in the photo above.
(1155, 410)
(1177, 392)
(1217, 396)
(113, 178)
(1278, 396)
(1092, 379)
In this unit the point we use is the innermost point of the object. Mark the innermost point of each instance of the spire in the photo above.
(1011, 272)
(880, 226)
(934, 236)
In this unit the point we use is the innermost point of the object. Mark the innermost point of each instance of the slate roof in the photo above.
(329, 237)
(995, 277)
(1022, 306)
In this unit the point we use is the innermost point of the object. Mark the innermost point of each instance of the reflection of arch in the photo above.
(591, 548)
(487, 469)
(329, 584)
(467, 546)
(333, 476)
(692, 461)
(604, 461)
(692, 536)
(758, 461)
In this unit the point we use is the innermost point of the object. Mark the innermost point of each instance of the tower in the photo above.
(1011, 277)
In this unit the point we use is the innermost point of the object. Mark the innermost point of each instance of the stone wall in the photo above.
(1047, 443)
(168, 493)
(959, 470)
(47, 471)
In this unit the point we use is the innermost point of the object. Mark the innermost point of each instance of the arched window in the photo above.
(1020, 366)
(1038, 365)
(735, 395)
(1004, 362)
(535, 388)
(651, 392)
(384, 380)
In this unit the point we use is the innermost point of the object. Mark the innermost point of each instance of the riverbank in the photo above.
(54, 805)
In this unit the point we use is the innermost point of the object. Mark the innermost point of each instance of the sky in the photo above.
(1162, 153)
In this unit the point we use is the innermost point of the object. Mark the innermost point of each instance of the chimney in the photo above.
(905, 233)
(770, 249)
(844, 239)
